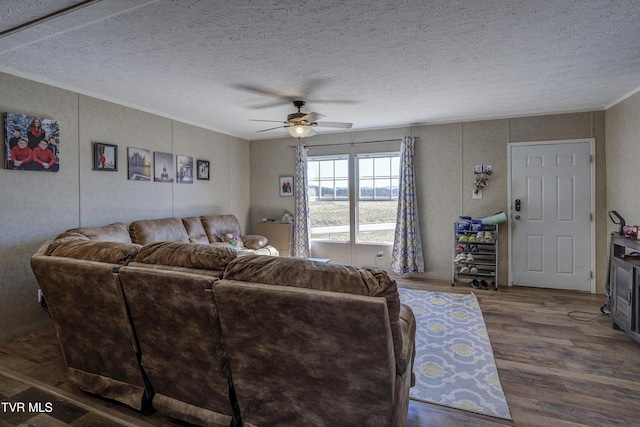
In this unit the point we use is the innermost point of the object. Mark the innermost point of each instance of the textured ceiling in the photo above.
(382, 63)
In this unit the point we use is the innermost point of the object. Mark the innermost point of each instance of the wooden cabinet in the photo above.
(624, 285)
(280, 235)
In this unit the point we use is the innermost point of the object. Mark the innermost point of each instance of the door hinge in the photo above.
(591, 216)
(590, 158)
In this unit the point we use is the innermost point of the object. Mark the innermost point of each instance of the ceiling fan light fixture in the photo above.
(300, 131)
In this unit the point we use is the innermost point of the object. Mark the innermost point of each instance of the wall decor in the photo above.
(203, 169)
(105, 157)
(184, 169)
(163, 166)
(286, 186)
(32, 143)
(139, 161)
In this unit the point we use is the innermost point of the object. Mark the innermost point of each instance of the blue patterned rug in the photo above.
(454, 363)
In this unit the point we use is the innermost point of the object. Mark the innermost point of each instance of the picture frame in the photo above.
(31, 143)
(163, 167)
(203, 169)
(139, 164)
(105, 157)
(184, 169)
(286, 186)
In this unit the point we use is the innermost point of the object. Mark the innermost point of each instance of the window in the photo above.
(375, 198)
(377, 204)
(328, 179)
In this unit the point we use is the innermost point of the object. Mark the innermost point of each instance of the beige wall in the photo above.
(445, 155)
(36, 206)
(623, 153)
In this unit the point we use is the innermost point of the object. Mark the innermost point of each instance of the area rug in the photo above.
(454, 363)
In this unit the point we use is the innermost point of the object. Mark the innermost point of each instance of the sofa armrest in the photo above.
(408, 331)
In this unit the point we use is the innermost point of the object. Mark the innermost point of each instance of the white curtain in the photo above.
(407, 256)
(301, 248)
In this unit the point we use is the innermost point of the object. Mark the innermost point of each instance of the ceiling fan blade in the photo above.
(270, 121)
(262, 91)
(334, 125)
(312, 117)
(277, 127)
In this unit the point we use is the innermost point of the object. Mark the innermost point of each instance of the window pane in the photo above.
(312, 171)
(383, 188)
(314, 187)
(395, 166)
(327, 190)
(365, 168)
(377, 204)
(382, 166)
(342, 189)
(366, 189)
(326, 169)
(342, 168)
(329, 220)
(377, 220)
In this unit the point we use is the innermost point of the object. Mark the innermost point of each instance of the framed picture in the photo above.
(184, 169)
(32, 143)
(203, 169)
(105, 157)
(286, 186)
(139, 161)
(163, 167)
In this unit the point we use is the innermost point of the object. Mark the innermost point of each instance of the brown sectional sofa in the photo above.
(215, 335)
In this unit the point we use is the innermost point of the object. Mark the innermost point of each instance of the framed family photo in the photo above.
(203, 169)
(31, 143)
(105, 157)
(286, 186)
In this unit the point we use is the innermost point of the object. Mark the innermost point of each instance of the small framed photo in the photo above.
(163, 167)
(286, 186)
(105, 157)
(203, 169)
(184, 169)
(139, 161)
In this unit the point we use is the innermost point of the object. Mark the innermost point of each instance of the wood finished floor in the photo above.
(559, 361)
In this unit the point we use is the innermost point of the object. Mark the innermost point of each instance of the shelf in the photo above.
(485, 255)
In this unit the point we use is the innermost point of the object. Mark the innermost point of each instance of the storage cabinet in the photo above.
(280, 235)
(624, 285)
(474, 256)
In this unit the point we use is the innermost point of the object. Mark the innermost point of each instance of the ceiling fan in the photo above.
(300, 125)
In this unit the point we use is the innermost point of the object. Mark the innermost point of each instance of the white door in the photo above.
(551, 215)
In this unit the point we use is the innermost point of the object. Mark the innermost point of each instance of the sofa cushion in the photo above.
(195, 230)
(116, 232)
(254, 241)
(158, 230)
(91, 250)
(216, 226)
(67, 236)
(302, 273)
(214, 256)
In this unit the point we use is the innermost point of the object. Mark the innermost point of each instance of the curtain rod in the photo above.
(351, 143)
